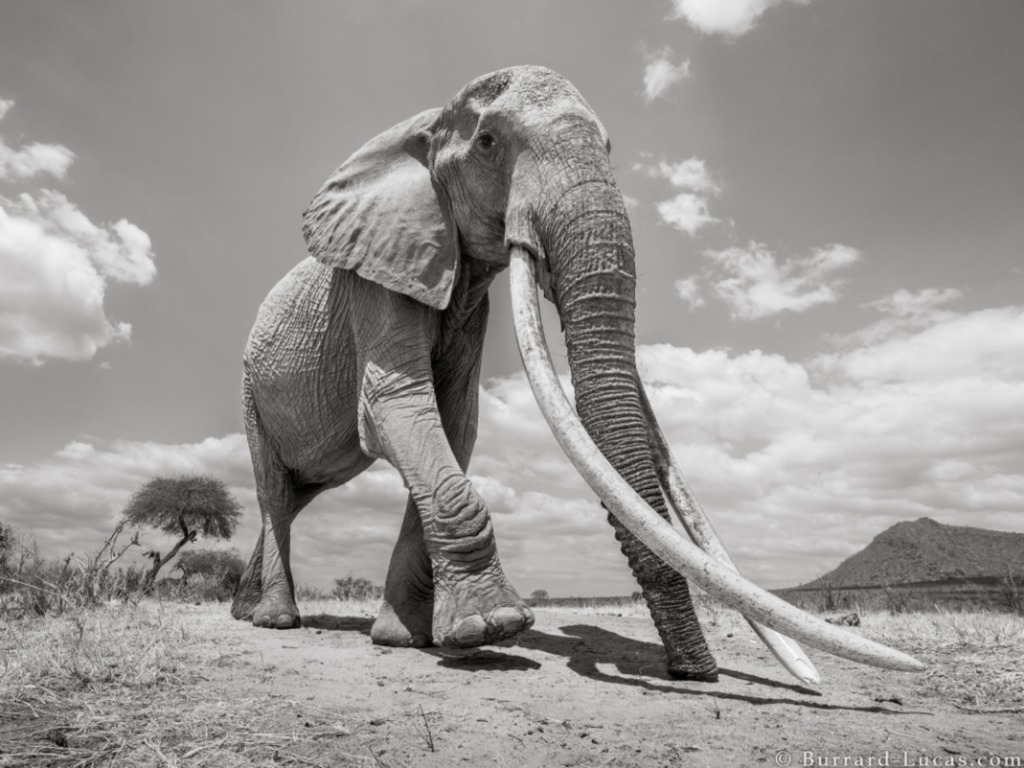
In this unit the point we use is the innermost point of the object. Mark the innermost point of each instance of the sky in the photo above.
(828, 210)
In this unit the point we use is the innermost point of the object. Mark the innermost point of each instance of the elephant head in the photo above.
(515, 169)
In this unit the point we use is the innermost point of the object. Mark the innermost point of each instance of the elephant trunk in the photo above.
(593, 277)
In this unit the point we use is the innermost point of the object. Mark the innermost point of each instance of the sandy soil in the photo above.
(589, 690)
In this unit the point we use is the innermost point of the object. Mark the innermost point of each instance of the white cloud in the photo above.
(904, 311)
(34, 159)
(755, 284)
(54, 269)
(688, 210)
(691, 173)
(988, 343)
(725, 17)
(660, 73)
(920, 305)
(799, 464)
(55, 265)
(688, 289)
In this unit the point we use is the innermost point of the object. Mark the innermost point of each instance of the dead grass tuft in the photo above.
(974, 657)
(120, 686)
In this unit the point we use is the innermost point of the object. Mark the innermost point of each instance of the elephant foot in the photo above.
(408, 626)
(478, 609)
(685, 671)
(671, 606)
(699, 666)
(276, 612)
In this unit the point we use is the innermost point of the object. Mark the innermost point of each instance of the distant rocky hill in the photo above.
(927, 551)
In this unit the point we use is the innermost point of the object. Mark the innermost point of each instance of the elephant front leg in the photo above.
(474, 603)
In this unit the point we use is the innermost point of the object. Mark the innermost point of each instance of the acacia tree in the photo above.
(189, 506)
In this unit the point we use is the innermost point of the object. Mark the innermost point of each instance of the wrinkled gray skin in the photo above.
(343, 367)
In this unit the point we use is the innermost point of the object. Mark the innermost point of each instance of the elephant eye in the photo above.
(486, 141)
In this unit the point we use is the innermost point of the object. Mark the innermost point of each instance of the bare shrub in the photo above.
(307, 592)
(1012, 591)
(31, 584)
(896, 600)
(357, 588)
(538, 597)
(831, 593)
(210, 574)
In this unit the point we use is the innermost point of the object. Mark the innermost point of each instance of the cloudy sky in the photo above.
(828, 206)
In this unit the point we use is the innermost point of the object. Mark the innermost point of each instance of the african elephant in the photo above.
(370, 349)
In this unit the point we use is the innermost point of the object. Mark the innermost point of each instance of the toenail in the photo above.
(471, 631)
(507, 617)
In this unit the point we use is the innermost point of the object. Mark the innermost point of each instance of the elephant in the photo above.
(371, 349)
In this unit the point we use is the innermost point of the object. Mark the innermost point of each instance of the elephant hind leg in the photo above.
(267, 591)
(276, 608)
(407, 611)
(249, 591)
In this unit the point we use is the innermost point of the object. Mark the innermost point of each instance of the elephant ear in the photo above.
(378, 215)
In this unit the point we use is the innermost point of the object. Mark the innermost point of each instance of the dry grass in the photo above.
(974, 657)
(123, 684)
(118, 686)
(332, 606)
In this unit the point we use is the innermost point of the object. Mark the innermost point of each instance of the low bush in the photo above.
(357, 588)
(34, 585)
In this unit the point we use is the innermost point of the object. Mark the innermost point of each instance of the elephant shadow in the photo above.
(586, 648)
(481, 660)
(642, 664)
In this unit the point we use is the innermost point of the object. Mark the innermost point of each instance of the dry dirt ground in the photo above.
(580, 688)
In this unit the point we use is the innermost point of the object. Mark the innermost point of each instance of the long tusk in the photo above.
(688, 510)
(659, 535)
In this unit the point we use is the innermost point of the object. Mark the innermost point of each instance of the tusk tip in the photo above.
(804, 671)
(914, 665)
(809, 678)
(897, 661)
